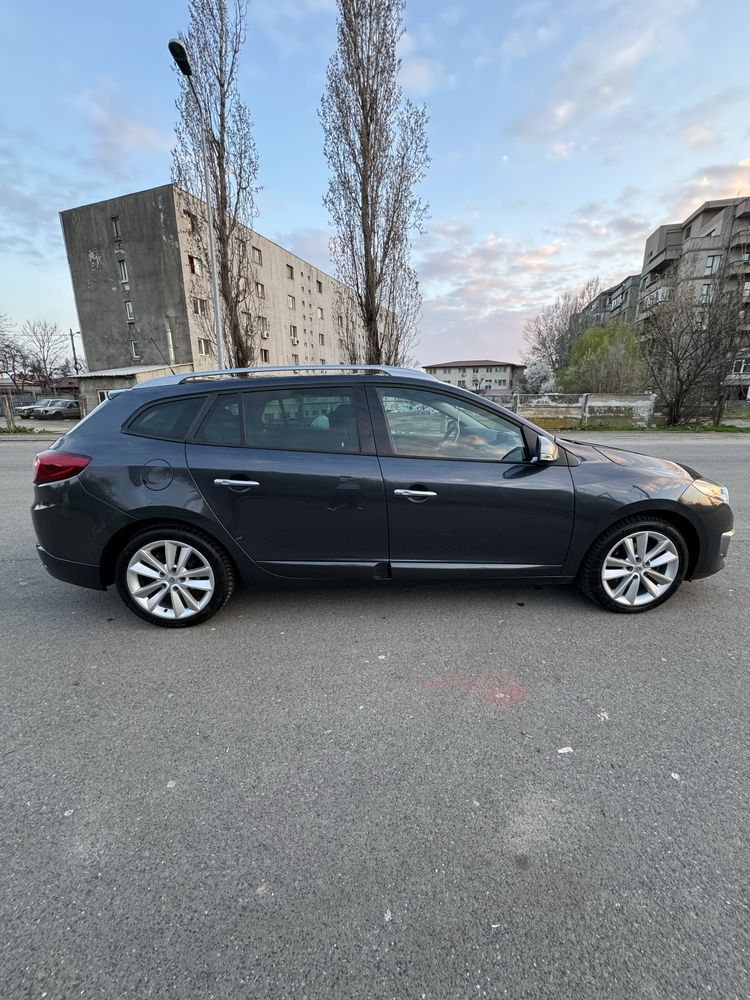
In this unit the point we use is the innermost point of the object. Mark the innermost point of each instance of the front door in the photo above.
(463, 496)
(288, 474)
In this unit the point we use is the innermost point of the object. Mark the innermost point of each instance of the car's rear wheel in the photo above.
(635, 566)
(172, 576)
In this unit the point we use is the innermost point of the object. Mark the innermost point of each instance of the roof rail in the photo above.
(389, 370)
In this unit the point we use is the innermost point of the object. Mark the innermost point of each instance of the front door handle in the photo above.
(236, 482)
(415, 494)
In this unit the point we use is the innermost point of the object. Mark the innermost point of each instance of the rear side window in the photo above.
(302, 420)
(169, 420)
(221, 426)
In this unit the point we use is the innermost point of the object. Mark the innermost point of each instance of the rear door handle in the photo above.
(415, 494)
(236, 482)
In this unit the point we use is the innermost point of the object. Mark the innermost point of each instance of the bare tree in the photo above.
(551, 334)
(376, 147)
(46, 346)
(214, 42)
(690, 343)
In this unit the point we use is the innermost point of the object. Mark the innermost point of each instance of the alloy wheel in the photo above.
(170, 579)
(640, 568)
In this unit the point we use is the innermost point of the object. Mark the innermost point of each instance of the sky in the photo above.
(562, 133)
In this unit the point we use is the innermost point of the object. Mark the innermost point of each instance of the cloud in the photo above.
(699, 135)
(709, 183)
(115, 135)
(534, 27)
(599, 81)
(419, 75)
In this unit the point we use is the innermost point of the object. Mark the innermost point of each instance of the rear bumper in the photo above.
(80, 574)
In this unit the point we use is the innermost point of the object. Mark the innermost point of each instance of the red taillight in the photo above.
(52, 466)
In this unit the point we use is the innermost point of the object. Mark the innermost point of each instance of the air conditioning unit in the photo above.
(265, 334)
(295, 341)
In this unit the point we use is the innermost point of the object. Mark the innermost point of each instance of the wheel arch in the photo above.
(120, 538)
(667, 513)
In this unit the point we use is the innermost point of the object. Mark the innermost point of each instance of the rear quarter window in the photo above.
(169, 420)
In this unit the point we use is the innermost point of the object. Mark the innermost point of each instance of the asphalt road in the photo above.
(359, 792)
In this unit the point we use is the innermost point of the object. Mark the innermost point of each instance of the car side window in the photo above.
(425, 424)
(222, 425)
(169, 420)
(302, 420)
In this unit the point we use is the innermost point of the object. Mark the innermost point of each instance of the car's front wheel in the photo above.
(174, 576)
(635, 565)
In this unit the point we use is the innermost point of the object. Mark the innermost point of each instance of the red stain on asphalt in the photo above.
(496, 688)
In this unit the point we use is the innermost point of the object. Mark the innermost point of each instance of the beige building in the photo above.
(480, 376)
(143, 289)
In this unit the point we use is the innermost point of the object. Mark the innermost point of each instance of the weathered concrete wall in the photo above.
(148, 245)
(587, 410)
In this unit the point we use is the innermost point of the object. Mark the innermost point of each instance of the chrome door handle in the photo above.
(235, 482)
(420, 494)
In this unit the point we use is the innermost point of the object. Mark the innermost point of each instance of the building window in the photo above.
(135, 354)
(196, 265)
(321, 339)
(263, 325)
(291, 301)
(192, 221)
(705, 292)
(200, 307)
(257, 256)
(260, 290)
(320, 287)
(322, 361)
(712, 264)
(265, 356)
(746, 290)
(123, 270)
(292, 332)
(116, 227)
(290, 271)
(320, 312)
(295, 359)
(204, 347)
(246, 320)
(129, 312)
(462, 383)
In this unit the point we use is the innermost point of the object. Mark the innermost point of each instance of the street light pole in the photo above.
(179, 54)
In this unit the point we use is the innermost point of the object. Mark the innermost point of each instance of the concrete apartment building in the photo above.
(715, 237)
(494, 377)
(620, 302)
(143, 290)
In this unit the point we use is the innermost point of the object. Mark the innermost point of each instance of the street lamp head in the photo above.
(180, 56)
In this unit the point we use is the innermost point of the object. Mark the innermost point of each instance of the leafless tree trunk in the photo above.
(690, 344)
(214, 42)
(551, 334)
(376, 147)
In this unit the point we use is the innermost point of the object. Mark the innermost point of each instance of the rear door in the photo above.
(292, 473)
(463, 496)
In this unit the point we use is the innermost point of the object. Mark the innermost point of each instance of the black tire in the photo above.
(590, 575)
(204, 547)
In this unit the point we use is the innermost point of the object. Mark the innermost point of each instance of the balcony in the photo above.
(741, 238)
(662, 259)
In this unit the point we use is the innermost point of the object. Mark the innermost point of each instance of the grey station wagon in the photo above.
(182, 487)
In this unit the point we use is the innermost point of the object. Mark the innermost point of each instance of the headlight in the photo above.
(713, 490)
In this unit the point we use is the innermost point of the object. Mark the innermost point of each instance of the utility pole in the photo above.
(75, 357)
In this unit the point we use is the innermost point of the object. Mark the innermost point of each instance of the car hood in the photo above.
(586, 452)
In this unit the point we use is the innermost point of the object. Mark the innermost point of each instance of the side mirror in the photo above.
(546, 450)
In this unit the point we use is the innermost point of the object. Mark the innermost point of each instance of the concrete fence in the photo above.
(588, 409)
